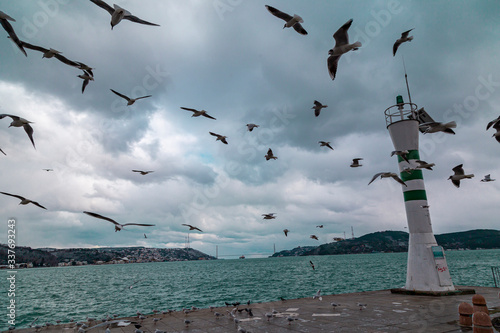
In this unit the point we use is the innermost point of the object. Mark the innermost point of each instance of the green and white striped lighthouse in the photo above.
(427, 270)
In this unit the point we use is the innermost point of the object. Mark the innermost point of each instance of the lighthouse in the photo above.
(427, 270)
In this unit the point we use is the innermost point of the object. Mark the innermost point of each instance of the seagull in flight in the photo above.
(269, 216)
(117, 14)
(130, 101)
(86, 77)
(142, 172)
(496, 125)
(402, 153)
(270, 155)
(325, 144)
(18, 122)
(404, 38)
(286, 231)
(118, 226)
(4, 21)
(355, 162)
(3, 152)
(493, 122)
(314, 237)
(424, 165)
(459, 175)
(433, 127)
(387, 175)
(48, 170)
(197, 113)
(312, 265)
(317, 107)
(251, 127)
(222, 138)
(291, 21)
(192, 227)
(487, 178)
(341, 46)
(320, 226)
(24, 201)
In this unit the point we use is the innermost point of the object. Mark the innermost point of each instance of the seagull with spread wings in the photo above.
(355, 162)
(269, 216)
(192, 227)
(142, 172)
(341, 46)
(197, 113)
(21, 122)
(24, 201)
(404, 38)
(117, 14)
(291, 21)
(433, 127)
(118, 226)
(130, 101)
(387, 175)
(325, 144)
(270, 155)
(222, 138)
(317, 107)
(86, 77)
(459, 175)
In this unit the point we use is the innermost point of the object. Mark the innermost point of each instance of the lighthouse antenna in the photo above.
(406, 79)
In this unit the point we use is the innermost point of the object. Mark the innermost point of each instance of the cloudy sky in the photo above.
(233, 59)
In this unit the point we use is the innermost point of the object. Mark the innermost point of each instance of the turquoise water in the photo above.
(96, 291)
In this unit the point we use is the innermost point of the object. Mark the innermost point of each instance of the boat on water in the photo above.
(242, 257)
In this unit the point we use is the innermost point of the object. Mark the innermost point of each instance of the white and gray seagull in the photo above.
(387, 175)
(291, 21)
(424, 165)
(130, 101)
(404, 38)
(4, 21)
(118, 226)
(86, 77)
(341, 46)
(317, 107)
(493, 122)
(270, 155)
(251, 127)
(325, 144)
(117, 14)
(197, 113)
(496, 125)
(402, 153)
(21, 122)
(459, 175)
(222, 138)
(24, 201)
(269, 216)
(433, 127)
(355, 162)
(487, 178)
(142, 172)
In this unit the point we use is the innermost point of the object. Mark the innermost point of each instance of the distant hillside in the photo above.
(397, 241)
(52, 257)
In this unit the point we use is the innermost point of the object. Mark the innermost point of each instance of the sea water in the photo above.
(77, 292)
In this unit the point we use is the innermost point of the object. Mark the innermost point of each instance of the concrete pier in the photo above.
(384, 312)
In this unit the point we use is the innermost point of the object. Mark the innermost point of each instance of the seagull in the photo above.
(387, 175)
(325, 144)
(487, 178)
(402, 153)
(270, 155)
(118, 13)
(86, 77)
(312, 265)
(286, 231)
(47, 53)
(433, 127)
(192, 227)
(142, 172)
(222, 138)
(3, 152)
(24, 201)
(317, 107)
(355, 163)
(18, 122)
(130, 101)
(493, 122)
(459, 174)
(362, 306)
(334, 305)
(318, 295)
(4, 21)
(197, 113)
(251, 127)
(424, 165)
(497, 133)
(341, 46)
(291, 21)
(404, 38)
(118, 226)
(145, 236)
(314, 237)
(319, 226)
(48, 170)
(269, 216)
